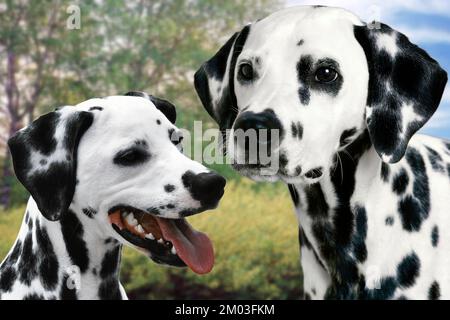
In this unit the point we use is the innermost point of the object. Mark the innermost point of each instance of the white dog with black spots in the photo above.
(106, 172)
(346, 98)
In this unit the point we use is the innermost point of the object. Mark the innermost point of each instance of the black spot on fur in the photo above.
(300, 42)
(109, 289)
(389, 221)
(384, 173)
(95, 108)
(170, 206)
(33, 296)
(434, 293)
(345, 137)
(48, 264)
(169, 188)
(317, 204)
(435, 160)
(28, 261)
(435, 236)
(385, 290)
(415, 208)
(448, 169)
(400, 182)
(110, 263)
(283, 160)
(73, 232)
(30, 224)
(410, 213)
(158, 121)
(7, 277)
(359, 238)
(89, 212)
(408, 270)
(297, 130)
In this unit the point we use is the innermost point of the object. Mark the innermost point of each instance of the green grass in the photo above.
(254, 232)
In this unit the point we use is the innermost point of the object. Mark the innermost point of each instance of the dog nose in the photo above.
(206, 187)
(265, 120)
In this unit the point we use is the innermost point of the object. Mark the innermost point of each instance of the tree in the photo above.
(27, 48)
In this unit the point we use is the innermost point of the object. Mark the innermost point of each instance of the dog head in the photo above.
(117, 162)
(319, 77)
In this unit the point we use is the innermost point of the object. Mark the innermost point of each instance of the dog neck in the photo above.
(330, 224)
(61, 259)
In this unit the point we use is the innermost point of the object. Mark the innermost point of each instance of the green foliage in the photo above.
(255, 240)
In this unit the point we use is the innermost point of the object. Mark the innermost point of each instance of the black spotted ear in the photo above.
(162, 105)
(405, 88)
(214, 81)
(44, 157)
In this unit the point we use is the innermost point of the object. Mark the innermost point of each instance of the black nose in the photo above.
(206, 187)
(266, 120)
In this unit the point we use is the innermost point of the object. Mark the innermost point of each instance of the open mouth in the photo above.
(171, 241)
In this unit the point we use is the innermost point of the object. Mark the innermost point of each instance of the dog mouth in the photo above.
(171, 241)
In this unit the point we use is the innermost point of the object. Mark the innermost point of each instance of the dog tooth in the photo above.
(160, 241)
(173, 250)
(150, 236)
(139, 229)
(131, 220)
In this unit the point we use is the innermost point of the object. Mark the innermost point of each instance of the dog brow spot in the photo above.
(158, 121)
(169, 188)
(95, 108)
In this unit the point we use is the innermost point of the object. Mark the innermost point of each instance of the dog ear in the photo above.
(162, 105)
(44, 156)
(405, 88)
(214, 81)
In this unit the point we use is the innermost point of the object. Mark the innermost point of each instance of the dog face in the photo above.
(118, 160)
(320, 77)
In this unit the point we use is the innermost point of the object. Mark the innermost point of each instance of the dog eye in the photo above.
(245, 71)
(131, 157)
(326, 75)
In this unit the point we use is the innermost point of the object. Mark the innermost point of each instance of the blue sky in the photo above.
(426, 23)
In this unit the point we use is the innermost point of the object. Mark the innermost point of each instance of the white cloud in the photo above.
(387, 8)
(386, 11)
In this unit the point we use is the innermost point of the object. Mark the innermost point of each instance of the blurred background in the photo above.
(56, 53)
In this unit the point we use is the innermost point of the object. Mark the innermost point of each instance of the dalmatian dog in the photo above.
(101, 174)
(346, 99)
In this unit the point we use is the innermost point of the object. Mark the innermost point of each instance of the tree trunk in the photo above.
(7, 176)
(12, 101)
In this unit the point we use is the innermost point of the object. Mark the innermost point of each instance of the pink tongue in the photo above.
(193, 247)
